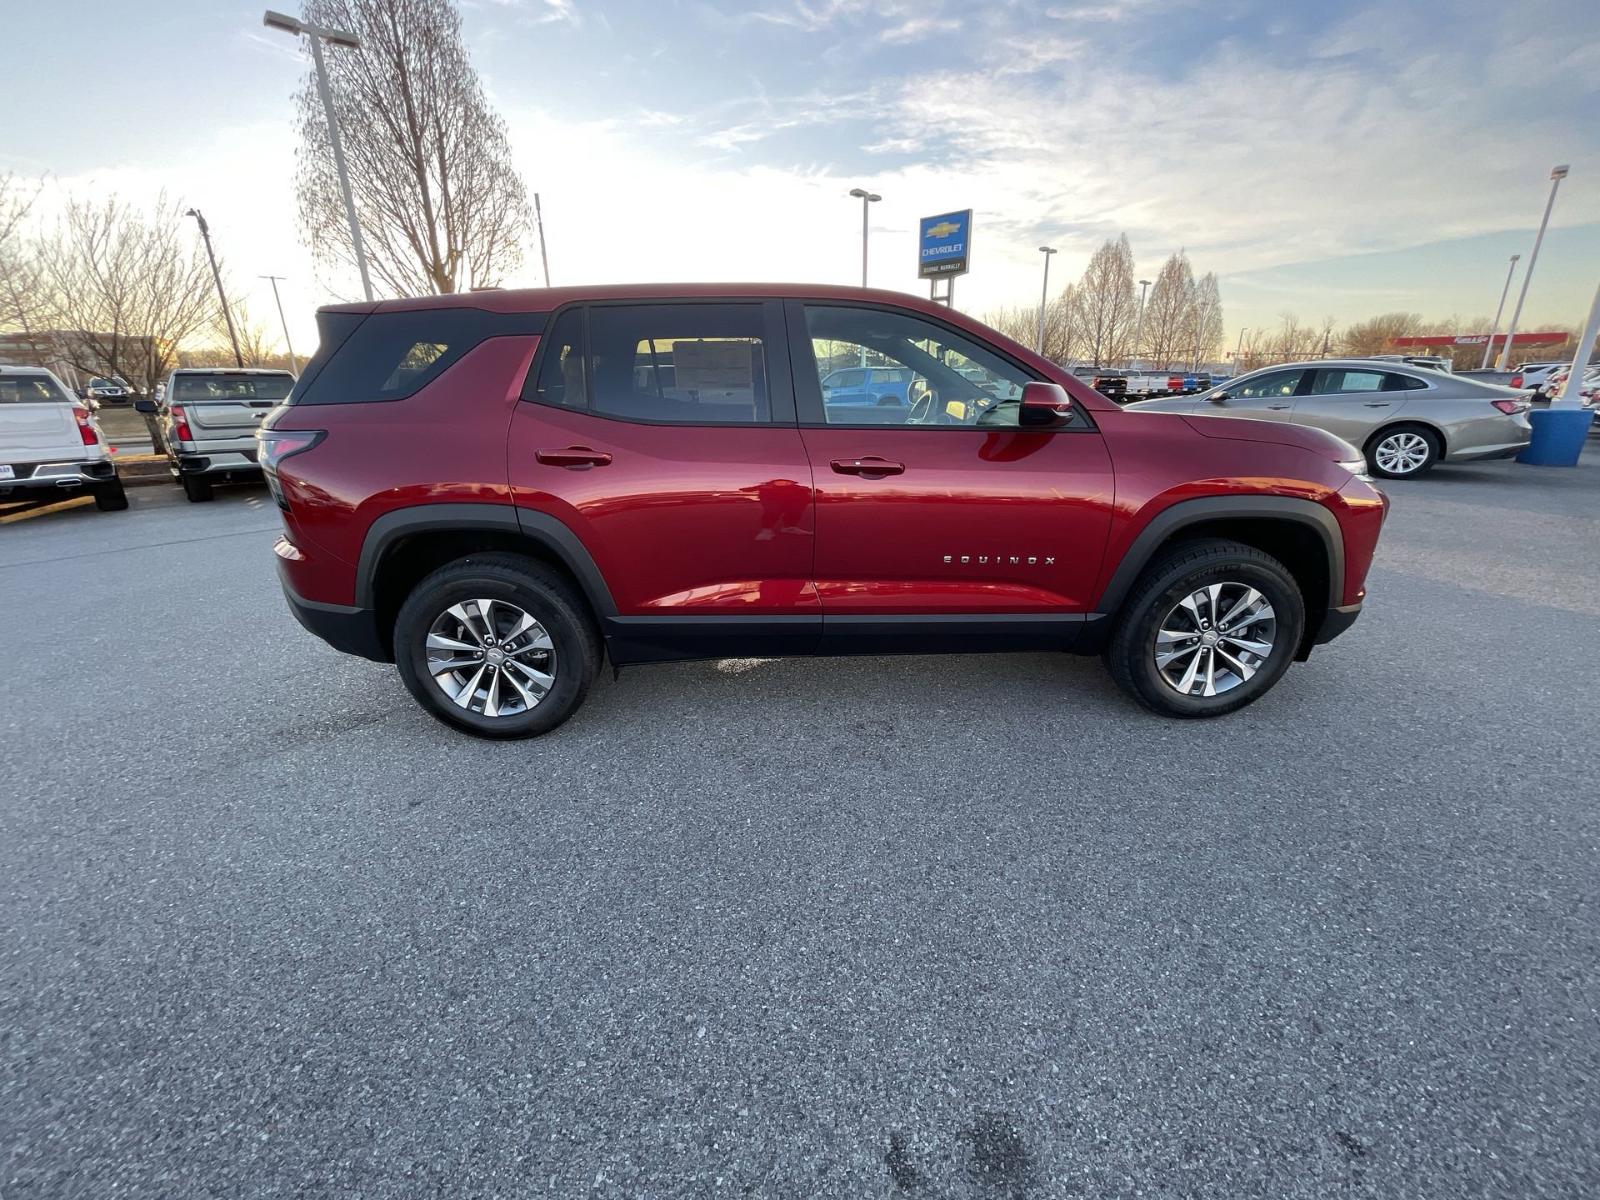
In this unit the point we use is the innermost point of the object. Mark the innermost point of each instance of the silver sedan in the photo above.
(1404, 418)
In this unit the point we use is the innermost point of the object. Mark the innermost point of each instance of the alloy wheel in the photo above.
(490, 657)
(1402, 453)
(1214, 639)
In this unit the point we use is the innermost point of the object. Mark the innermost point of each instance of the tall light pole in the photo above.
(1557, 174)
(866, 198)
(227, 315)
(318, 35)
(1044, 294)
(1238, 351)
(294, 363)
(1504, 292)
(544, 259)
(1138, 329)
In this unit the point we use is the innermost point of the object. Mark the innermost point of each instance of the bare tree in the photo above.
(1203, 333)
(126, 288)
(1105, 306)
(1021, 324)
(1373, 336)
(23, 306)
(1166, 314)
(439, 202)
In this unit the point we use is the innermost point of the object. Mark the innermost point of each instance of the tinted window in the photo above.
(191, 388)
(31, 389)
(1403, 383)
(1277, 383)
(846, 379)
(938, 376)
(391, 355)
(695, 364)
(560, 379)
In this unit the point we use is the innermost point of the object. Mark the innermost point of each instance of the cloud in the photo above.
(914, 29)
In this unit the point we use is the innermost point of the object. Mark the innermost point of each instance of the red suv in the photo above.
(492, 490)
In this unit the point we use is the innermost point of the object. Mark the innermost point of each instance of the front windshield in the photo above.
(231, 387)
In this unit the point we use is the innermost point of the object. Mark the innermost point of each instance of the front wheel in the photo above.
(1403, 452)
(1209, 627)
(496, 645)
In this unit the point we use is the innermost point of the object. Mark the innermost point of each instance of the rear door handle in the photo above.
(1376, 403)
(871, 465)
(572, 456)
(1279, 407)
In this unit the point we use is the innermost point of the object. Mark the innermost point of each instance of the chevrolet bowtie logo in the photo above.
(943, 229)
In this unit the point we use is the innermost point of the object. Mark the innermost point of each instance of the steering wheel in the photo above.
(922, 408)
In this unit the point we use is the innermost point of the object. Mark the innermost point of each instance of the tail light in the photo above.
(1516, 380)
(1510, 407)
(180, 423)
(85, 429)
(275, 445)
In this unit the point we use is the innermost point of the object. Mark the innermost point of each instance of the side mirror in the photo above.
(1218, 397)
(1044, 405)
(148, 407)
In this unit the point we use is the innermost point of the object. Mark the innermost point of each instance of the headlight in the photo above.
(1356, 467)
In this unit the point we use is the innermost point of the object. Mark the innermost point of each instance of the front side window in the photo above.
(692, 364)
(1276, 383)
(921, 372)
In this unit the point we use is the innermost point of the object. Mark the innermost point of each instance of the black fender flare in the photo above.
(549, 533)
(1185, 513)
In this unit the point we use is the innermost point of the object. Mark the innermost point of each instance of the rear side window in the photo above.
(392, 355)
(31, 389)
(689, 364)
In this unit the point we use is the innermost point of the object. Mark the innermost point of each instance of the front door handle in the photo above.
(871, 465)
(572, 456)
(1279, 407)
(1375, 403)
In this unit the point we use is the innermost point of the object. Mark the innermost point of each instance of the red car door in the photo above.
(944, 515)
(663, 436)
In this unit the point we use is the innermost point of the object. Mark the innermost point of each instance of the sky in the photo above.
(1330, 158)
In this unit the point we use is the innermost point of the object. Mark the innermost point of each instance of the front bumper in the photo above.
(350, 630)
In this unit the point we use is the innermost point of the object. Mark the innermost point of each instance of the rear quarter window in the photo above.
(31, 389)
(392, 355)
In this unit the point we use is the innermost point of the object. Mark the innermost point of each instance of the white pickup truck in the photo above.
(209, 417)
(1147, 385)
(50, 444)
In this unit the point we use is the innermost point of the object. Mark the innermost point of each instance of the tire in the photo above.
(510, 582)
(1410, 450)
(196, 488)
(109, 497)
(1157, 598)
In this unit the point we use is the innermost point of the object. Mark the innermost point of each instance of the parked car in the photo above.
(1109, 382)
(493, 525)
(1430, 362)
(1534, 376)
(108, 391)
(1147, 385)
(888, 386)
(50, 444)
(1588, 388)
(209, 417)
(1404, 420)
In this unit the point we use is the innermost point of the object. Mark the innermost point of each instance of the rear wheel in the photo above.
(1403, 451)
(1209, 627)
(197, 488)
(109, 497)
(496, 645)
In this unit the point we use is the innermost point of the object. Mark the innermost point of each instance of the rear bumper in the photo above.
(350, 630)
(58, 476)
(1336, 622)
(215, 464)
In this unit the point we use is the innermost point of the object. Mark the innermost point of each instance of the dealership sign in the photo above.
(944, 244)
(1478, 339)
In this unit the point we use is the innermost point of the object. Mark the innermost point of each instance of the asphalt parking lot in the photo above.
(936, 927)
